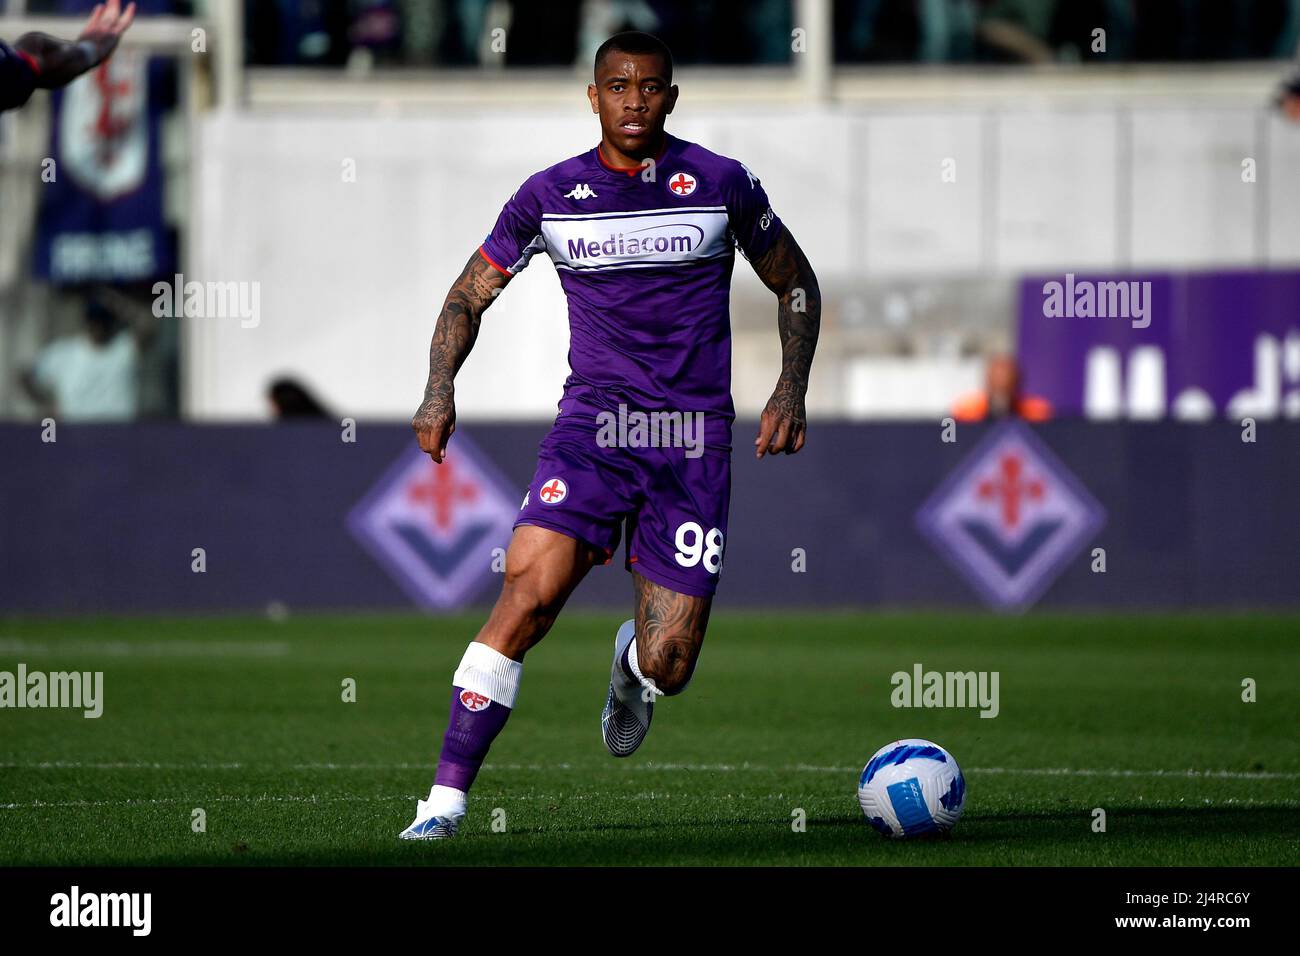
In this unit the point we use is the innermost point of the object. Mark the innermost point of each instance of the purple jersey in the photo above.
(644, 257)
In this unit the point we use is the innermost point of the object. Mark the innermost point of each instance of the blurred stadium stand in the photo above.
(937, 159)
(1064, 159)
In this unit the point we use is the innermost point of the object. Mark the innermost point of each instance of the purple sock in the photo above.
(474, 724)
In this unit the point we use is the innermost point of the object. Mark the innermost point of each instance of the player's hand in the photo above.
(434, 424)
(108, 21)
(781, 428)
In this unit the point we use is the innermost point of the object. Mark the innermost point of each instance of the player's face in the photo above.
(633, 100)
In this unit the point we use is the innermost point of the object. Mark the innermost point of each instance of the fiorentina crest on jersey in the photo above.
(103, 127)
(682, 184)
(433, 527)
(1010, 517)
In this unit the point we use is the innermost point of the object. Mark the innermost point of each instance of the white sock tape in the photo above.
(646, 682)
(490, 673)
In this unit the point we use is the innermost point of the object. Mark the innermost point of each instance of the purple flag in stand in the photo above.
(101, 216)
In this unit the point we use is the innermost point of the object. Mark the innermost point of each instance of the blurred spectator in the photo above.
(375, 27)
(881, 31)
(290, 399)
(947, 31)
(306, 32)
(542, 34)
(1002, 397)
(564, 32)
(1214, 30)
(601, 19)
(1288, 97)
(90, 376)
(768, 24)
(1017, 30)
(1075, 23)
(722, 31)
(468, 24)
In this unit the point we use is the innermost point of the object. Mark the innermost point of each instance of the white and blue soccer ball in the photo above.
(912, 788)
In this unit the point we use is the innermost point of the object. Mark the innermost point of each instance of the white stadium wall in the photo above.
(351, 274)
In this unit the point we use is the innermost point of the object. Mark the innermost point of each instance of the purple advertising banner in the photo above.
(108, 517)
(1193, 346)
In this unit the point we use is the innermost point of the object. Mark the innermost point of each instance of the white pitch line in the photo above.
(77, 765)
(687, 767)
(312, 798)
(15, 646)
(549, 797)
(1031, 771)
(190, 801)
(1082, 772)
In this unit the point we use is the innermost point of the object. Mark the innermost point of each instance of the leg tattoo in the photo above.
(669, 632)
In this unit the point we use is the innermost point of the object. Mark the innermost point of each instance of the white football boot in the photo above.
(629, 705)
(435, 819)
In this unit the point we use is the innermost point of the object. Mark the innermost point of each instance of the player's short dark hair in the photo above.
(634, 41)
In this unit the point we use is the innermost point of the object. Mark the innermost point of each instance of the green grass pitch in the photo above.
(1141, 716)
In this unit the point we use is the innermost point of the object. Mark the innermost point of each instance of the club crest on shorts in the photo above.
(473, 701)
(682, 184)
(553, 491)
(1010, 517)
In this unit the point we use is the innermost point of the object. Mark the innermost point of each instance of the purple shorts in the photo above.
(674, 506)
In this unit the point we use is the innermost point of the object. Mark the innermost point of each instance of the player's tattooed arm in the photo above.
(453, 337)
(786, 271)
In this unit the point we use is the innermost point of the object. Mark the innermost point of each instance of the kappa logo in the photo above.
(472, 701)
(682, 184)
(1010, 517)
(433, 527)
(554, 490)
(581, 191)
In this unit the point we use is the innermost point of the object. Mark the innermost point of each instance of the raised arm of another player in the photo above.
(59, 62)
(786, 271)
(453, 337)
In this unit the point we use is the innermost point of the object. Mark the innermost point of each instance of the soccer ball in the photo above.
(912, 788)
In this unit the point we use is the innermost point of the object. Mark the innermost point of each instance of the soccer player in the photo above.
(39, 61)
(642, 230)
